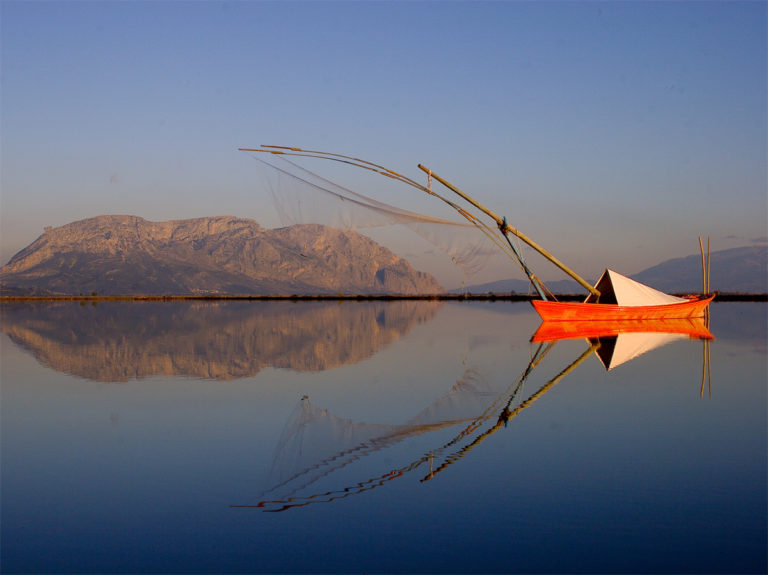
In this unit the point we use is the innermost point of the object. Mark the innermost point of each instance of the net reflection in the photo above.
(316, 444)
(121, 341)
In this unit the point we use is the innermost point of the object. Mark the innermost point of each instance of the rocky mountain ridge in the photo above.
(224, 255)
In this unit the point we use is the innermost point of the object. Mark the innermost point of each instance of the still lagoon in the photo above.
(405, 436)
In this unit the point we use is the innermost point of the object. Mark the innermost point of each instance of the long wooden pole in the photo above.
(709, 267)
(703, 268)
(506, 228)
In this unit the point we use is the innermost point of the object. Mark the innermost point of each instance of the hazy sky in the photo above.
(613, 133)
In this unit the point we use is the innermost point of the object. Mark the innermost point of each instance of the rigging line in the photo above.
(541, 289)
(518, 248)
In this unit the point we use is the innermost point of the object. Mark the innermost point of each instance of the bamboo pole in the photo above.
(709, 266)
(703, 268)
(506, 228)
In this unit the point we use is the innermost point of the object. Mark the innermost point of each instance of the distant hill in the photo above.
(520, 287)
(128, 255)
(737, 270)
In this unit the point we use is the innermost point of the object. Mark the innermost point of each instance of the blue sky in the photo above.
(613, 133)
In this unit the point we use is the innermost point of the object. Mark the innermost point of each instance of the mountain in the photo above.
(126, 255)
(737, 270)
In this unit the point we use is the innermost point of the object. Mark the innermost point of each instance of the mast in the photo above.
(505, 229)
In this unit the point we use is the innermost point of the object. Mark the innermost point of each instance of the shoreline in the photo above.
(763, 297)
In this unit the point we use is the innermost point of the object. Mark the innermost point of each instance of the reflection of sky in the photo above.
(629, 469)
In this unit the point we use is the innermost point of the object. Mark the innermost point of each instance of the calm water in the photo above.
(375, 437)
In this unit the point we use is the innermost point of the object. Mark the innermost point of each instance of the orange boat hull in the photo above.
(574, 311)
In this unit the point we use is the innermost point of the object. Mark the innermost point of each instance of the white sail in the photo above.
(618, 289)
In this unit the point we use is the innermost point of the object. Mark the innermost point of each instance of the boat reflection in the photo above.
(121, 341)
(316, 444)
(621, 341)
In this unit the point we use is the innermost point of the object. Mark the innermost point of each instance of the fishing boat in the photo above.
(613, 297)
(622, 298)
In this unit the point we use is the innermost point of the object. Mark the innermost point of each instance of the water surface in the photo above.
(374, 437)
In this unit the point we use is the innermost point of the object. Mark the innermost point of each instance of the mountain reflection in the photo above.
(120, 341)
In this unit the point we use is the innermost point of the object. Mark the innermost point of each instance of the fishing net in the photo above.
(303, 196)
